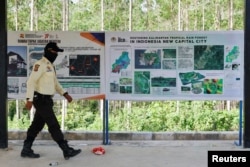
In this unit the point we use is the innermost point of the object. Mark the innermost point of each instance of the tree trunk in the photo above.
(231, 15)
(102, 13)
(128, 106)
(130, 14)
(203, 15)
(195, 18)
(16, 15)
(36, 15)
(67, 15)
(217, 16)
(17, 109)
(31, 15)
(179, 15)
(228, 105)
(63, 15)
(186, 19)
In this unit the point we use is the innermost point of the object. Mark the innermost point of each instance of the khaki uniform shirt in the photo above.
(43, 80)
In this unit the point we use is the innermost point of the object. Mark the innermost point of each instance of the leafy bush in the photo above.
(139, 116)
(165, 116)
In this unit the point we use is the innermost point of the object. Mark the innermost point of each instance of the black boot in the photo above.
(68, 151)
(27, 151)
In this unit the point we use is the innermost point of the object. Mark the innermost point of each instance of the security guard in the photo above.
(41, 86)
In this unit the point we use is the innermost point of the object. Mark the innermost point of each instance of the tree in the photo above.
(127, 15)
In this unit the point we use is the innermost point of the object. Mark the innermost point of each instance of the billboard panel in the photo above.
(174, 65)
(80, 68)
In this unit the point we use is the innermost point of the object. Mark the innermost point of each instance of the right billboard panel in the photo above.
(174, 65)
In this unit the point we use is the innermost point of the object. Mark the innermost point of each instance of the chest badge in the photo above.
(36, 67)
(49, 69)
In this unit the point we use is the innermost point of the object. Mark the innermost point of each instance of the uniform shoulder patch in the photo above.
(36, 67)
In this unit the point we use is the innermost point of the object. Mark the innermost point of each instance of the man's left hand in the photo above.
(68, 97)
(28, 105)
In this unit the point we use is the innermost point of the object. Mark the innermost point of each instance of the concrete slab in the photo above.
(174, 153)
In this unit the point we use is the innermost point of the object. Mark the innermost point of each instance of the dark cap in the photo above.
(53, 46)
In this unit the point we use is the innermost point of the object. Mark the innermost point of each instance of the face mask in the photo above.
(50, 56)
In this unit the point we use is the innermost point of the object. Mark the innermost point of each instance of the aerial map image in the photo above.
(142, 82)
(163, 82)
(84, 65)
(147, 59)
(209, 57)
(169, 53)
(190, 77)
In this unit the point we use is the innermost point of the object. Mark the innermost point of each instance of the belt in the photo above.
(39, 95)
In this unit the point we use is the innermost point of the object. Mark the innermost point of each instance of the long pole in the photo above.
(246, 137)
(3, 75)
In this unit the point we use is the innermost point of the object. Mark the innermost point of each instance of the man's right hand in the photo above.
(28, 105)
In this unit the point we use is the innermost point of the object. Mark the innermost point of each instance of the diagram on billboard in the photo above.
(185, 57)
(125, 85)
(121, 62)
(120, 66)
(232, 53)
(213, 86)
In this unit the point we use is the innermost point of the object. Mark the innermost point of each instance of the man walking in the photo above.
(41, 86)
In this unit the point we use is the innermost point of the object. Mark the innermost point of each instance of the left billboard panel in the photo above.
(80, 68)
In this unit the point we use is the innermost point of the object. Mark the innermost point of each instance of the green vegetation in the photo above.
(142, 116)
(125, 15)
(168, 116)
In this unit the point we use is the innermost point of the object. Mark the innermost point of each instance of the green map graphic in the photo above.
(233, 54)
(209, 57)
(142, 82)
(121, 63)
